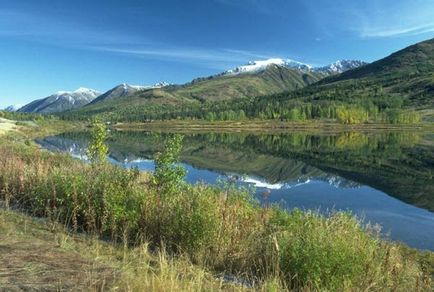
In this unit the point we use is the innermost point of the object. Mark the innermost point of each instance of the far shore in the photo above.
(267, 126)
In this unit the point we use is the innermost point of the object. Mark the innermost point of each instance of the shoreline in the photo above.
(267, 127)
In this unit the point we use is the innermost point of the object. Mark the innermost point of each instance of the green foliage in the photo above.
(18, 116)
(97, 150)
(169, 176)
(223, 229)
(351, 115)
(328, 253)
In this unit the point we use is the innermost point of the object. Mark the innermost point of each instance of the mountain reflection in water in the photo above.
(374, 175)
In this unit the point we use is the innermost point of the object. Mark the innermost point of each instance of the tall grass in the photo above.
(222, 229)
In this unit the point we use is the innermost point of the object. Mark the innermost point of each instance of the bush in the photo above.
(351, 115)
(221, 228)
(169, 176)
(97, 150)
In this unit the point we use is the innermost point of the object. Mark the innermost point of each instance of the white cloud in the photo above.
(396, 31)
(372, 18)
(212, 58)
(386, 19)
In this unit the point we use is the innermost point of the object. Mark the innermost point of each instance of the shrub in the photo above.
(223, 229)
(97, 150)
(169, 176)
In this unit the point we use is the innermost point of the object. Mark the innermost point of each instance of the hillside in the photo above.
(396, 89)
(61, 101)
(274, 79)
(408, 72)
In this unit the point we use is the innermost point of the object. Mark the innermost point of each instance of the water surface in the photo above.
(385, 178)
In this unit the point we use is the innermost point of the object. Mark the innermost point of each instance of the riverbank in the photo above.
(220, 230)
(267, 126)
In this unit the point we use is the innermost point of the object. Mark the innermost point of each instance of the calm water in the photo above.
(385, 178)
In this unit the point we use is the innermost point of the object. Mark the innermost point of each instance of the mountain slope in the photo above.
(12, 108)
(274, 79)
(61, 101)
(125, 90)
(408, 73)
(415, 59)
(258, 78)
(257, 66)
(340, 66)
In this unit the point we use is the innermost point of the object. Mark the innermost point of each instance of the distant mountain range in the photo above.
(61, 101)
(12, 108)
(264, 77)
(334, 68)
(402, 80)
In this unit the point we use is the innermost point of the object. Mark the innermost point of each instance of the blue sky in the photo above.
(47, 46)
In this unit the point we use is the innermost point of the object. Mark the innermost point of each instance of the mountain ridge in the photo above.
(61, 101)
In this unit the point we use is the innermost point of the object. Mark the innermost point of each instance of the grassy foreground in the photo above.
(162, 234)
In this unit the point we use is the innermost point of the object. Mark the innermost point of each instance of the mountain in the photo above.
(388, 90)
(417, 59)
(133, 103)
(125, 90)
(273, 78)
(256, 66)
(61, 101)
(407, 74)
(340, 66)
(334, 68)
(257, 78)
(13, 108)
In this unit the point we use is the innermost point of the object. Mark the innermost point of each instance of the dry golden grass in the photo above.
(6, 126)
(39, 255)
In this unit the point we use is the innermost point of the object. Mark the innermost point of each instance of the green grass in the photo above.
(215, 230)
(42, 255)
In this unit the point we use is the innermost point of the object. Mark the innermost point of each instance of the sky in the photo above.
(49, 46)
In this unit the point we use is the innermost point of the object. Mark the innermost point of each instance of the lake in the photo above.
(385, 178)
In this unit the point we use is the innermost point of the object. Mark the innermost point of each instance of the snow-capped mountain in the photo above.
(13, 108)
(126, 90)
(258, 66)
(341, 66)
(61, 101)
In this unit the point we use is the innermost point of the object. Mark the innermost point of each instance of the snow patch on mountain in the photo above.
(145, 87)
(12, 108)
(258, 66)
(341, 66)
(61, 101)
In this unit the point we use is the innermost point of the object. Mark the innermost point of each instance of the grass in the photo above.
(6, 126)
(266, 126)
(41, 255)
(199, 231)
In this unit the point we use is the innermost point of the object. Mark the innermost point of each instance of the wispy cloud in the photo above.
(52, 30)
(387, 19)
(396, 31)
(372, 18)
(213, 58)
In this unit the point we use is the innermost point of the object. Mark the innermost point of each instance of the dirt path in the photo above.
(33, 258)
